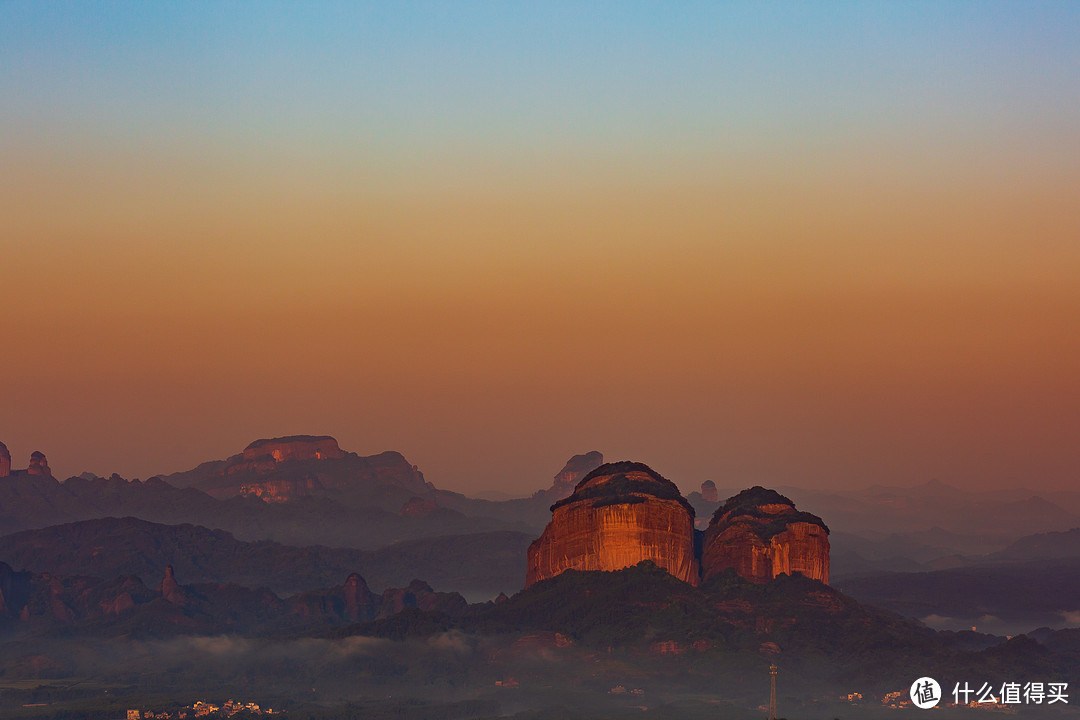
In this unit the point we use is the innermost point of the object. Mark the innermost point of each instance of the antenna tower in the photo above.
(772, 691)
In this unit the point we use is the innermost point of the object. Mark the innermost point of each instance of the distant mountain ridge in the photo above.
(126, 605)
(274, 468)
(480, 565)
(1021, 595)
(29, 502)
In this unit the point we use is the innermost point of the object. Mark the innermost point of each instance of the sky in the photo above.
(825, 245)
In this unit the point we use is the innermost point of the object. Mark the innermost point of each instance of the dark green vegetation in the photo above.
(556, 650)
(733, 629)
(622, 489)
(748, 504)
(481, 565)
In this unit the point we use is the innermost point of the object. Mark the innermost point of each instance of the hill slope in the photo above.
(479, 565)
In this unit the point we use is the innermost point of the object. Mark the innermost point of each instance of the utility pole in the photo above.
(772, 691)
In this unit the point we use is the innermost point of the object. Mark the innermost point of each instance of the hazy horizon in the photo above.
(819, 245)
(494, 487)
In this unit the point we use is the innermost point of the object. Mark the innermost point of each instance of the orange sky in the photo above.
(826, 259)
(816, 325)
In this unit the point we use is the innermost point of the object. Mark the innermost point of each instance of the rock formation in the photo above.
(359, 600)
(573, 471)
(419, 595)
(170, 588)
(708, 492)
(282, 489)
(760, 534)
(297, 466)
(354, 602)
(38, 465)
(619, 515)
(263, 455)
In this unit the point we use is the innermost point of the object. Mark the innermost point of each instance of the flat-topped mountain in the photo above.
(623, 513)
(761, 535)
(291, 447)
(292, 467)
(618, 515)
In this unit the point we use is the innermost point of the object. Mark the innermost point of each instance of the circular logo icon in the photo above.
(925, 693)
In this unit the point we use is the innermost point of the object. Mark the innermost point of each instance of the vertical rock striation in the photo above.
(5, 461)
(619, 515)
(760, 535)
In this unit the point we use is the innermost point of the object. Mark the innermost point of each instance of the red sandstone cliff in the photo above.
(760, 534)
(619, 515)
(5, 461)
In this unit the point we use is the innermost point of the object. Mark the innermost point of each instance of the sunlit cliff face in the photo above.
(618, 516)
(760, 535)
(624, 513)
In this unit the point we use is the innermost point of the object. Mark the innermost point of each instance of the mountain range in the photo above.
(294, 544)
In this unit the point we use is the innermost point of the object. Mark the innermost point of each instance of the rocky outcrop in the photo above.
(354, 602)
(761, 535)
(170, 588)
(709, 492)
(38, 465)
(282, 489)
(573, 471)
(420, 595)
(264, 455)
(359, 600)
(619, 515)
(298, 466)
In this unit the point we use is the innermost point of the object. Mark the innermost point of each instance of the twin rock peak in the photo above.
(623, 513)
